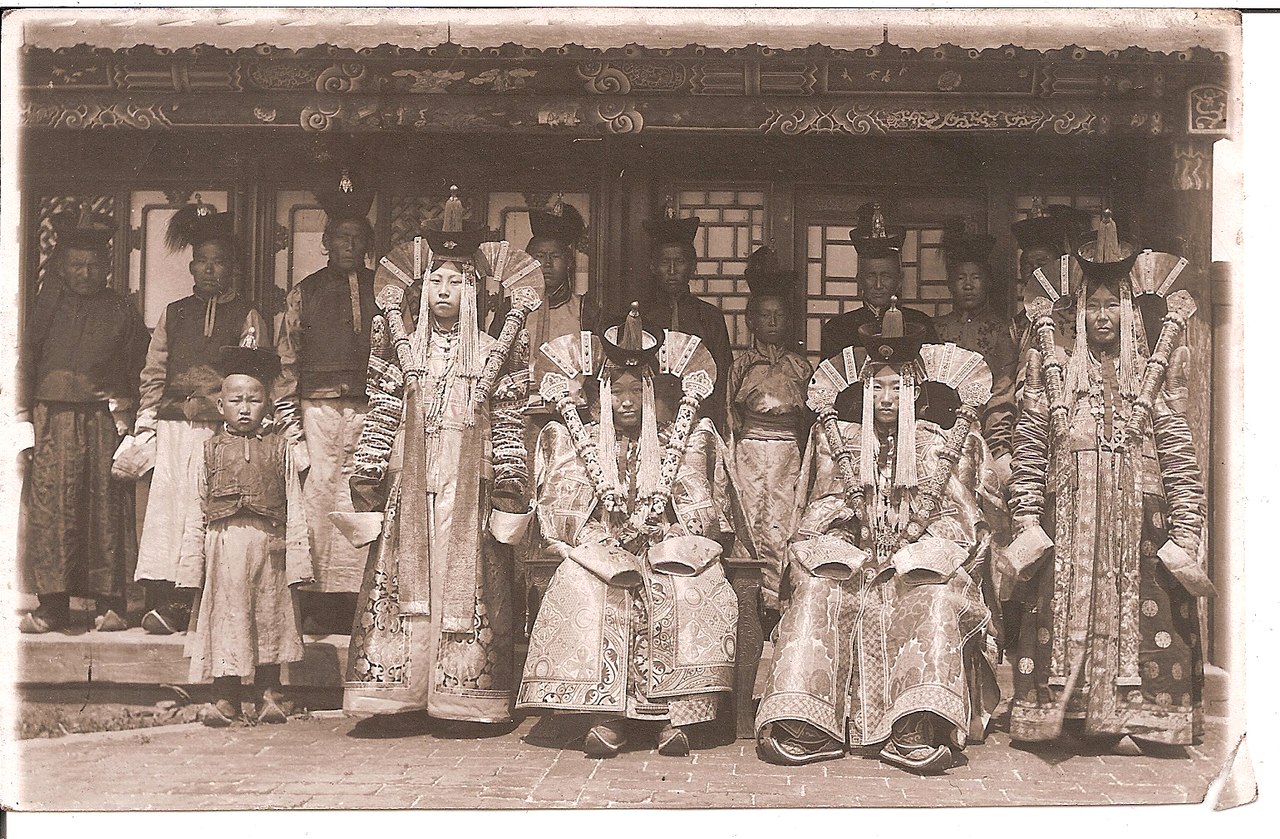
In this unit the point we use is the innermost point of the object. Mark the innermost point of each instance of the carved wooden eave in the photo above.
(881, 90)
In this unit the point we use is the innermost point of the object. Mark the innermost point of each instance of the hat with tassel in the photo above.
(1107, 260)
(346, 193)
(669, 229)
(561, 222)
(872, 237)
(248, 359)
(197, 223)
(84, 230)
(629, 347)
(763, 275)
(959, 245)
(1054, 228)
(451, 243)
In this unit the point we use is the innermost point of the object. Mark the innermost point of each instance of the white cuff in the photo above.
(1021, 556)
(24, 436)
(1186, 570)
(509, 528)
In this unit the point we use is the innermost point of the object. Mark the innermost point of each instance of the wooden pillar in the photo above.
(1178, 219)
(627, 274)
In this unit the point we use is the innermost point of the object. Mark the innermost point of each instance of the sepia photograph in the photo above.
(594, 408)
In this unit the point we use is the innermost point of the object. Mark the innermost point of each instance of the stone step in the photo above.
(133, 657)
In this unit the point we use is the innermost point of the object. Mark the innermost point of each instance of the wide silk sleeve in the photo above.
(191, 553)
(1180, 475)
(553, 446)
(289, 345)
(385, 388)
(823, 490)
(1030, 446)
(298, 564)
(154, 374)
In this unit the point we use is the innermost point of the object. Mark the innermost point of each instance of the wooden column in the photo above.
(1178, 219)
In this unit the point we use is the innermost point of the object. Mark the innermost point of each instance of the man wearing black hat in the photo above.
(671, 305)
(78, 382)
(324, 356)
(556, 234)
(178, 397)
(879, 281)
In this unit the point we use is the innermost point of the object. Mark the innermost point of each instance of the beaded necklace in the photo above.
(436, 406)
(1098, 404)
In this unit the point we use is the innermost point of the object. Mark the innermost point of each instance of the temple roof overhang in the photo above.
(580, 72)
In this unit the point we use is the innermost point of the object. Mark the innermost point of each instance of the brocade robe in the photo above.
(662, 649)
(768, 418)
(1101, 600)
(855, 655)
(434, 627)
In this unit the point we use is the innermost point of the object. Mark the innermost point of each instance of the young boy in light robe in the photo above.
(245, 547)
(178, 397)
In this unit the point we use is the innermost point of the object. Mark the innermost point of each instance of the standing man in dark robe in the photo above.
(78, 388)
(671, 305)
(879, 281)
(324, 358)
(557, 231)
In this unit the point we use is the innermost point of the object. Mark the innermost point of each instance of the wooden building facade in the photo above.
(764, 145)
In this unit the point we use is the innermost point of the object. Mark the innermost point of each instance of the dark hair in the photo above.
(780, 295)
(548, 237)
(687, 248)
(228, 242)
(331, 226)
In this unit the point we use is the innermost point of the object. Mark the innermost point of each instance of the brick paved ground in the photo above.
(336, 762)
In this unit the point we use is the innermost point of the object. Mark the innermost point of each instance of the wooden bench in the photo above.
(744, 576)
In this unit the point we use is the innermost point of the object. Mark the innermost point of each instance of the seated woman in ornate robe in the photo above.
(882, 644)
(638, 621)
(1108, 508)
(433, 627)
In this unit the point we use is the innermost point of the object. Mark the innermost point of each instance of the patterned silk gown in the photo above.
(433, 625)
(1102, 603)
(660, 646)
(853, 656)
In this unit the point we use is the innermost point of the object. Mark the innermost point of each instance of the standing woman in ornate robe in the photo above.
(433, 628)
(638, 622)
(882, 645)
(1109, 512)
(768, 420)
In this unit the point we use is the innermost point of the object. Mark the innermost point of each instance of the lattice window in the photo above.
(831, 276)
(157, 275)
(733, 225)
(411, 214)
(47, 206)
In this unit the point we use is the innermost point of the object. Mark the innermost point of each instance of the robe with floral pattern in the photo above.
(854, 656)
(661, 650)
